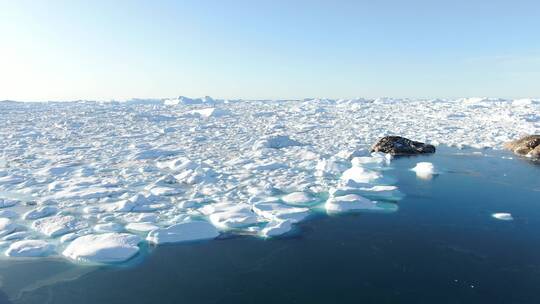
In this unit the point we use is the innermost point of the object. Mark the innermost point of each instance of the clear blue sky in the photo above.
(65, 50)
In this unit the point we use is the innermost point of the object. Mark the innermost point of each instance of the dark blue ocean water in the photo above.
(442, 246)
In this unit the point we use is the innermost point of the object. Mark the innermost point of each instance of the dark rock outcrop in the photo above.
(397, 145)
(526, 146)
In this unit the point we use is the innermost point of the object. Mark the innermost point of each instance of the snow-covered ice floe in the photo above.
(503, 216)
(94, 181)
(425, 170)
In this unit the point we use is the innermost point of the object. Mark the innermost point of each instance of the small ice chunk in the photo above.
(165, 191)
(208, 112)
(30, 248)
(108, 227)
(5, 203)
(503, 216)
(141, 227)
(57, 225)
(103, 248)
(183, 232)
(16, 236)
(424, 170)
(277, 211)
(10, 214)
(358, 175)
(234, 217)
(40, 212)
(354, 202)
(298, 198)
(276, 228)
(376, 192)
(6, 226)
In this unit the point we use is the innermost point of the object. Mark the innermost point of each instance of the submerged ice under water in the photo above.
(93, 181)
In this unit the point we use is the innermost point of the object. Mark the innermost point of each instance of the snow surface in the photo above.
(503, 216)
(103, 248)
(79, 175)
(29, 248)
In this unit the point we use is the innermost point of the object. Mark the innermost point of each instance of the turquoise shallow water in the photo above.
(441, 246)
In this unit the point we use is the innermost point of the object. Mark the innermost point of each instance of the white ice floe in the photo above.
(30, 248)
(380, 192)
(208, 112)
(40, 212)
(299, 199)
(103, 248)
(6, 226)
(278, 212)
(4, 203)
(10, 214)
(503, 216)
(358, 176)
(58, 225)
(276, 228)
(108, 227)
(183, 232)
(141, 227)
(233, 217)
(354, 202)
(424, 170)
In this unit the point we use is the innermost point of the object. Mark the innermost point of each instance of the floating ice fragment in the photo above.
(183, 232)
(58, 225)
(376, 192)
(40, 212)
(16, 236)
(354, 202)
(103, 248)
(10, 214)
(6, 226)
(329, 167)
(141, 227)
(424, 170)
(234, 217)
(276, 228)
(298, 199)
(503, 216)
(208, 112)
(30, 248)
(108, 227)
(277, 211)
(5, 203)
(360, 176)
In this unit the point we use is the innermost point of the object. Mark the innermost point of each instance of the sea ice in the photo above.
(30, 248)
(275, 211)
(4, 203)
(10, 214)
(183, 232)
(234, 217)
(40, 212)
(424, 170)
(58, 225)
(141, 227)
(276, 228)
(6, 226)
(358, 176)
(298, 199)
(103, 248)
(144, 164)
(354, 202)
(503, 216)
